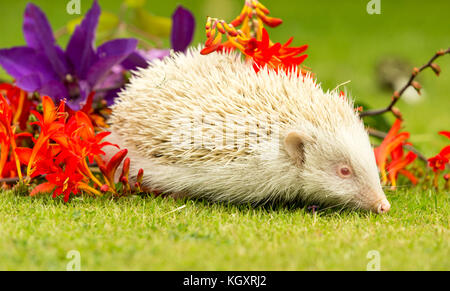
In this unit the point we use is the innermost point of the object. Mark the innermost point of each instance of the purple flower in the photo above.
(183, 27)
(43, 67)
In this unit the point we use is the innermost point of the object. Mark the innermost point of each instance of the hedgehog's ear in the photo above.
(294, 144)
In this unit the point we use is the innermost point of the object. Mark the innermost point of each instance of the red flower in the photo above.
(62, 181)
(390, 156)
(398, 164)
(445, 133)
(51, 124)
(19, 104)
(62, 152)
(439, 162)
(110, 168)
(275, 56)
(8, 138)
(252, 39)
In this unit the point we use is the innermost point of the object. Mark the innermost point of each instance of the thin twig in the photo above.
(60, 32)
(10, 181)
(397, 94)
(382, 135)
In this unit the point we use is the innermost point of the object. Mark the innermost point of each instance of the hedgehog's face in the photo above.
(338, 168)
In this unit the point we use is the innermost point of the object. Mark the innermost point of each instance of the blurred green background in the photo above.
(345, 43)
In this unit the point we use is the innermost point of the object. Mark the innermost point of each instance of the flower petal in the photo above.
(43, 189)
(183, 26)
(23, 61)
(135, 60)
(29, 83)
(111, 96)
(23, 154)
(39, 35)
(110, 54)
(445, 133)
(159, 54)
(110, 169)
(36, 28)
(80, 49)
(56, 90)
(141, 59)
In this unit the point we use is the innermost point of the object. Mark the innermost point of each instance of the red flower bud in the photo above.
(140, 176)
(104, 188)
(416, 86)
(436, 69)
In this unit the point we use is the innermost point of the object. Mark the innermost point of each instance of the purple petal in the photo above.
(22, 61)
(159, 54)
(110, 54)
(111, 85)
(55, 90)
(134, 60)
(77, 102)
(38, 35)
(36, 28)
(29, 83)
(183, 26)
(80, 49)
(115, 78)
(111, 96)
(141, 59)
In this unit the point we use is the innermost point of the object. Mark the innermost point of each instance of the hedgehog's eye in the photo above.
(344, 172)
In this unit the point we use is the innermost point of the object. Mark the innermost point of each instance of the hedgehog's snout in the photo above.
(383, 206)
(376, 203)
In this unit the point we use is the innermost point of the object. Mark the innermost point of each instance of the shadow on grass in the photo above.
(267, 207)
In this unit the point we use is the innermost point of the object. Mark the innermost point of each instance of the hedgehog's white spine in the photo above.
(225, 85)
(155, 94)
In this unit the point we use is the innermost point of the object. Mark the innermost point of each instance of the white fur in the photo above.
(192, 86)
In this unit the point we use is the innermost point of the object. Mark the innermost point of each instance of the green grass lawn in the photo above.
(142, 233)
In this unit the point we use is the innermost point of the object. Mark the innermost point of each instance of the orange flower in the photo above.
(108, 170)
(439, 162)
(252, 39)
(51, 124)
(275, 56)
(19, 103)
(62, 152)
(398, 164)
(8, 138)
(390, 156)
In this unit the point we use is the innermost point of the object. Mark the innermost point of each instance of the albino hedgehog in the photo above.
(210, 127)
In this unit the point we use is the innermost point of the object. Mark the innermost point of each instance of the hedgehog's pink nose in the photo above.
(383, 207)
